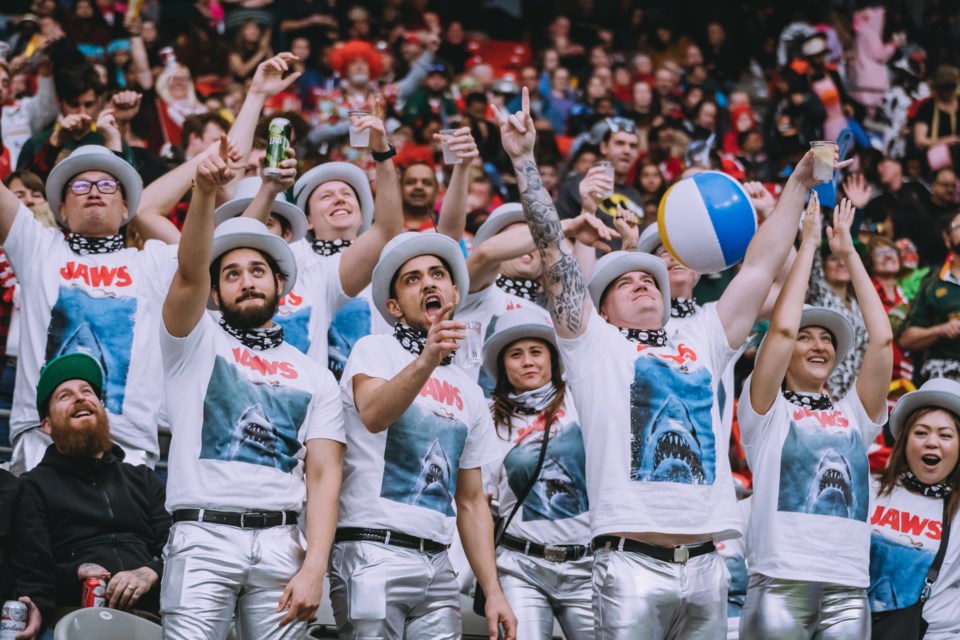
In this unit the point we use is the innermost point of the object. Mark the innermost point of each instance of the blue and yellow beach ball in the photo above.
(706, 221)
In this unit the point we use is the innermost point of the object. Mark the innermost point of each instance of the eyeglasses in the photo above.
(622, 124)
(955, 225)
(83, 187)
(880, 254)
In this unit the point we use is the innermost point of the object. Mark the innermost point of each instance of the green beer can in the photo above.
(278, 138)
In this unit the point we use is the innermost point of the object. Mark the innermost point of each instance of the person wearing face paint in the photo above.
(418, 432)
(652, 431)
(908, 503)
(544, 557)
(257, 431)
(808, 555)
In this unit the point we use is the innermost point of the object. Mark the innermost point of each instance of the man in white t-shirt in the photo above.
(647, 403)
(250, 416)
(418, 432)
(87, 292)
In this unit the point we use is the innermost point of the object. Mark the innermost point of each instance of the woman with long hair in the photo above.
(908, 503)
(809, 539)
(543, 556)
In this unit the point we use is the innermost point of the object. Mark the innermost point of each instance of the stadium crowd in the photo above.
(235, 368)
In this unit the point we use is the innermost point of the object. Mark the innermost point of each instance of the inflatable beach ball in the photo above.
(706, 221)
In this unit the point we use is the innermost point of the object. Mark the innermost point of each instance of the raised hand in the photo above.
(593, 189)
(841, 240)
(378, 131)
(268, 80)
(517, 133)
(109, 129)
(628, 227)
(125, 105)
(763, 201)
(75, 125)
(803, 172)
(462, 143)
(443, 336)
(587, 229)
(287, 176)
(857, 190)
(812, 229)
(215, 170)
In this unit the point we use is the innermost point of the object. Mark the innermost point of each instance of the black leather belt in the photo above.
(551, 552)
(242, 519)
(678, 554)
(392, 538)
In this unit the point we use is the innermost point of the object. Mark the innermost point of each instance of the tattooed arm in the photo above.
(565, 286)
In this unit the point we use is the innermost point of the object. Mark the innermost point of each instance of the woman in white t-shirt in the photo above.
(808, 540)
(907, 505)
(543, 557)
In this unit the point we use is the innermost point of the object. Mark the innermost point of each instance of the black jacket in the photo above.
(26, 566)
(103, 511)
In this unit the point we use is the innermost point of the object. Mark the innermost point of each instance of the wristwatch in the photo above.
(380, 156)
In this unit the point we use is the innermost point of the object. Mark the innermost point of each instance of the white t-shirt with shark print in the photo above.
(906, 529)
(240, 420)
(556, 511)
(106, 305)
(405, 478)
(656, 449)
(811, 491)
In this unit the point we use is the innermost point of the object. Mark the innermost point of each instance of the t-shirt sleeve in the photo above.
(580, 355)
(753, 426)
(369, 358)
(481, 447)
(867, 427)
(326, 410)
(709, 332)
(179, 354)
(336, 297)
(29, 245)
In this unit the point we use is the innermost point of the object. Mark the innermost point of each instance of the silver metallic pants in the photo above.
(212, 571)
(798, 610)
(379, 591)
(636, 597)
(538, 590)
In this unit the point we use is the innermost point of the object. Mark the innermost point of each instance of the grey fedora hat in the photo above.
(407, 246)
(616, 263)
(941, 393)
(244, 193)
(512, 326)
(94, 157)
(501, 218)
(247, 233)
(344, 172)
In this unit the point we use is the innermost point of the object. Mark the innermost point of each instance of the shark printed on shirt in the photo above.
(352, 322)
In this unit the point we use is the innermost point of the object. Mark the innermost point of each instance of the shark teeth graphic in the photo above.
(434, 480)
(673, 446)
(254, 429)
(831, 492)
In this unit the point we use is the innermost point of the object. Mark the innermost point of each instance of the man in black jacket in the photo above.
(105, 518)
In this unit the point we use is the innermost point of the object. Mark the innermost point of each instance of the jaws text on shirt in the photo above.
(261, 365)
(97, 276)
(905, 522)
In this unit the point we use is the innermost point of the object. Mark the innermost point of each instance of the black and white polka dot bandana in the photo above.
(912, 483)
(682, 308)
(330, 247)
(812, 401)
(648, 337)
(256, 339)
(526, 289)
(414, 341)
(85, 246)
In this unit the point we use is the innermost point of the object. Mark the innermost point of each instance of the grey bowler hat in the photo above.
(512, 326)
(94, 157)
(247, 233)
(941, 393)
(616, 263)
(344, 172)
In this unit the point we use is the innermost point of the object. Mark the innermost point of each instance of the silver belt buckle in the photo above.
(554, 554)
(681, 554)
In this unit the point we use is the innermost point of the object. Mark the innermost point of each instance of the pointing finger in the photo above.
(525, 104)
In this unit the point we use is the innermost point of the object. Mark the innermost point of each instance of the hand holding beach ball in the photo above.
(706, 221)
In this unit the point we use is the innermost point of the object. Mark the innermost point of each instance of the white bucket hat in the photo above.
(247, 233)
(616, 263)
(344, 172)
(243, 194)
(94, 157)
(517, 325)
(501, 218)
(407, 246)
(941, 393)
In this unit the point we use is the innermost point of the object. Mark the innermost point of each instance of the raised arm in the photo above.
(138, 52)
(268, 81)
(772, 361)
(565, 286)
(453, 211)
(873, 383)
(9, 205)
(740, 303)
(356, 266)
(272, 186)
(186, 301)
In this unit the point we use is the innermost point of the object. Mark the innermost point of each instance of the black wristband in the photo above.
(380, 156)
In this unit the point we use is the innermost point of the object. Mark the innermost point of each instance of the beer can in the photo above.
(278, 138)
(93, 593)
(13, 619)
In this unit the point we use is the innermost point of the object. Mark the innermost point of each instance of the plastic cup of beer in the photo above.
(473, 345)
(358, 138)
(823, 159)
(449, 157)
(607, 167)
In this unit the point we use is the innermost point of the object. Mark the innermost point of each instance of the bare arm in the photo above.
(138, 52)
(917, 338)
(356, 266)
(565, 286)
(272, 186)
(9, 205)
(267, 81)
(453, 211)
(186, 301)
(160, 197)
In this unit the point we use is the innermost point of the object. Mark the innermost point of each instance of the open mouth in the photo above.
(817, 360)
(673, 449)
(257, 433)
(434, 474)
(83, 413)
(340, 213)
(930, 460)
(833, 479)
(432, 303)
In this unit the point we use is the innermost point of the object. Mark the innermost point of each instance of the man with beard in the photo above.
(250, 416)
(104, 518)
(418, 431)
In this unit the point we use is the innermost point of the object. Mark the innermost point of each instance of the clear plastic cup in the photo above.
(608, 169)
(449, 157)
(823, 159)
(473, 345)
(358, 138)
